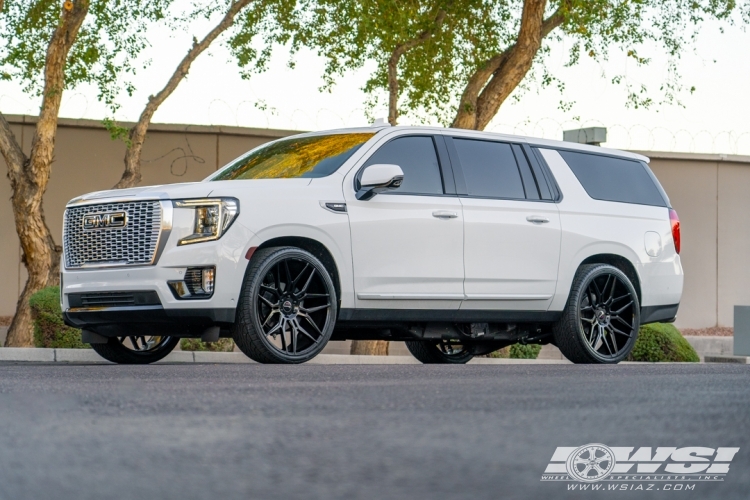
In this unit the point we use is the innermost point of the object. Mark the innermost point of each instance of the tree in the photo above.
(350, 34)
(457, 62)
(50, 46)
(241, 45)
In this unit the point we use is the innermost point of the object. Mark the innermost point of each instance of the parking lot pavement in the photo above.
(345, 431)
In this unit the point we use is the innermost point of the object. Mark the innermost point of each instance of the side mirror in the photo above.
(378, 178)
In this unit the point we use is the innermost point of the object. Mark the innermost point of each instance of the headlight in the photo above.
(213, 216)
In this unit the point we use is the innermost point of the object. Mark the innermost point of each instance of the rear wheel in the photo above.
(136, 349)
(287, 307)
(601, 319)
(442, 352)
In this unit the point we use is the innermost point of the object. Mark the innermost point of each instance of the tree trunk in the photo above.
(370, 347)
(492, 83)
(131, 176)
(29, 176)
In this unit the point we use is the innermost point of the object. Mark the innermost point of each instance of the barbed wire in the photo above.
(621, 136)
(255, 113)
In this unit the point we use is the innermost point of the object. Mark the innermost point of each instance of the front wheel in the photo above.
(287, 307)
(136, 349)
(601, 319)
(442, 352)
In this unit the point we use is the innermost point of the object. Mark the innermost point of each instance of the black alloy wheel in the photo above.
(601, 320)
(441, 352)
(136, 349)
(287, 308)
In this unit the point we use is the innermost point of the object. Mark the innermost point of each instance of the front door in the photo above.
(407, 244)
(511, 233)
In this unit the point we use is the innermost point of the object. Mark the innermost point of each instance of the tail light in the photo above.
(675, 221)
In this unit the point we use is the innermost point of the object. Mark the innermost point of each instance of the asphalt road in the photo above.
(317, 431)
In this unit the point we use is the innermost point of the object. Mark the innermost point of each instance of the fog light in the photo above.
(198, 283)
(207, 283)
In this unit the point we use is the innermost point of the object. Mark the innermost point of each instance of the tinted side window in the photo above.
(417, 158)
(489, 168)
(614, 179)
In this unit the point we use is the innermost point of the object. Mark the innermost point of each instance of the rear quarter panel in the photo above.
(591, 227)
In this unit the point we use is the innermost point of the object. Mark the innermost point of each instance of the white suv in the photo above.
(457, 242)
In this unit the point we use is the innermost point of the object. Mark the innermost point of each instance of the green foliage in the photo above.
(518, 351)
(113, 42)
(49, 329)
(223, 345)
(433, 74)
(117, 132)
(351, 34)
(662, 342)
(105, 53)
(271, 22)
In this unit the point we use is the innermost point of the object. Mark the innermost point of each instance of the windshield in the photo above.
(313, 156)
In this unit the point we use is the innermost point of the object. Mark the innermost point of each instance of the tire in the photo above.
(437, 352)
(600, 322)
(287, 307)
(117, 351)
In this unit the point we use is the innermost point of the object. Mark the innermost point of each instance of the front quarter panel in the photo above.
(278, 208)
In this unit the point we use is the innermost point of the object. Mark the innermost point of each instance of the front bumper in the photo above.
(226, 255)
(118, 321)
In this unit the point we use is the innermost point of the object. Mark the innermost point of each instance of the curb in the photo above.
(741, 360)
(42, 355)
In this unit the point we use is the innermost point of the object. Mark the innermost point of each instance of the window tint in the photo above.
(489, 169)
(417, 158)
(311, 156)
(614, 179)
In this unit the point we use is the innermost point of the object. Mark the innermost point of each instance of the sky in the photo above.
(713, 119)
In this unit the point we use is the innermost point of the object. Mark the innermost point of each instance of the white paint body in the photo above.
(410, 252)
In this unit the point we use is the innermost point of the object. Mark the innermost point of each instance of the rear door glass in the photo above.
(489, 169)
(614, 179)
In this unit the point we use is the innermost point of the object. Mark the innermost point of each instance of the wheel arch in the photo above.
(315, 247)
(621, 263)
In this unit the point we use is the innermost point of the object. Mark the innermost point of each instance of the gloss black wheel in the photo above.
(601, 320)
(136, 349)
(288, 307)
(441, 352)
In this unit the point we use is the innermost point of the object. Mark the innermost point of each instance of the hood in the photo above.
(161, 192)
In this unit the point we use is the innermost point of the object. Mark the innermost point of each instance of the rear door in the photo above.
(511, 225)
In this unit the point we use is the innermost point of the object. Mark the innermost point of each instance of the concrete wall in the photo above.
(711, 193)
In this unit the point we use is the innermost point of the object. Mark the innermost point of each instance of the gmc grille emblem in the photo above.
(105, 221)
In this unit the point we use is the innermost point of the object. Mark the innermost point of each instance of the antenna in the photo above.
(380, 122)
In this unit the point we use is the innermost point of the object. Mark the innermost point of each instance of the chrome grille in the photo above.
(134, 244)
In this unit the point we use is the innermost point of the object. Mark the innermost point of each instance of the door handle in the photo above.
(444, 214)
(537, 219)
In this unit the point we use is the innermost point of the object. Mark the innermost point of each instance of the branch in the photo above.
(43, 143)
(10, 149)
(556, 19)
(400, 50)
(132, 174)
(494, 81)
